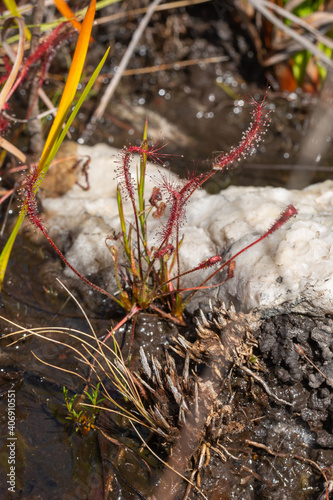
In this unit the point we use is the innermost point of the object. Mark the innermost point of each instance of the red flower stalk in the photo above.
(30, 206)
(289, 212)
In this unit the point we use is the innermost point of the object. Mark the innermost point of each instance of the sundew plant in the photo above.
(151, 277)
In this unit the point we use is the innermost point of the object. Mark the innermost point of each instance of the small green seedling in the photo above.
(83, 420)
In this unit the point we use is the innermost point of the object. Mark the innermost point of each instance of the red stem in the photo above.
(289, 212)
(61, 255)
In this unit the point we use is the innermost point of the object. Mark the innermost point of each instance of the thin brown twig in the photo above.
(225, 451)
(254, 474)
(27, 120)
(123, 64)
(299, 349)
(128, 450)
(174, 65)
(23, 9)
(286, 455)
(263, 383)
(311, 168)
(301, 22)
(167, 316)
(143, 10)
(152, 69)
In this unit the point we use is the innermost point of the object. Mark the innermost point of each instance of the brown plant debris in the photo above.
(183, 392)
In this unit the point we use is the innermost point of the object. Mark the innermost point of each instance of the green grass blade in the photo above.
(4, 257)
(123, 224)
(141, 190)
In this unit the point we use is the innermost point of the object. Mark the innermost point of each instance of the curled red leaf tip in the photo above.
(289, 212)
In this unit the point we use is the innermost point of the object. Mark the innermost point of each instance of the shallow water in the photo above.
(196, 129)
(51, 462)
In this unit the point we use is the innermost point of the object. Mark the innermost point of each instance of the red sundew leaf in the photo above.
(289, 212)
(286, 215)
(43, 53)
(126, 181)
(250, 138)
(4, 122)
(212, 261)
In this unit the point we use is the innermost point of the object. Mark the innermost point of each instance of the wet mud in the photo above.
(230, 421)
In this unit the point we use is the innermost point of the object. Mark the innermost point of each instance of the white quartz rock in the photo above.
(291, 270)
